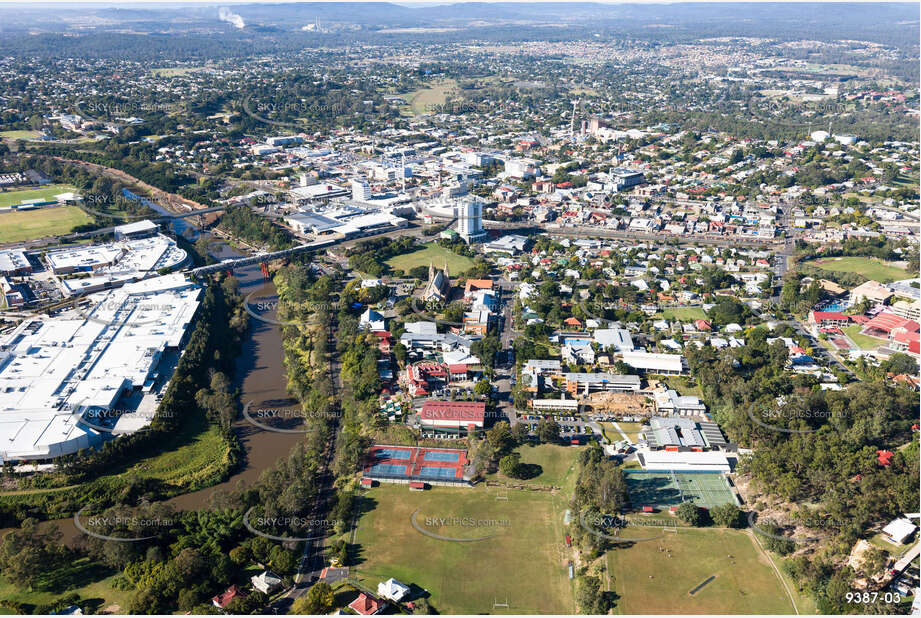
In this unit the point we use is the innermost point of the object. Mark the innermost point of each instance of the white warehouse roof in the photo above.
(53, 370)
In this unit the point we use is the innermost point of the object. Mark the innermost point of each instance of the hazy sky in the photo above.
(404, 2)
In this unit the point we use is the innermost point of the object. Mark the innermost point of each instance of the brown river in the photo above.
(260, 376)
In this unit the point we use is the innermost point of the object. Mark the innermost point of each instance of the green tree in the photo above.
(727, 515)
(690, 513)
(510, 465)
(500, 437)
(548, 430)
(318, 600)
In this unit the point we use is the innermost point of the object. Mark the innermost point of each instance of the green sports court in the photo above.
(663, 489)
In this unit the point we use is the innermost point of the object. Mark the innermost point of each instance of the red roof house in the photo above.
(223, 599)
(366, 605)
(573, 322)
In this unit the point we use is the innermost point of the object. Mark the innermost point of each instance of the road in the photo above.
(782, 257)
(312, 560)
(507, 335)
(599, 232)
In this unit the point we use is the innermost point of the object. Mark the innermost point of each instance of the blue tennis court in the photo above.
(388, 469)
(438, 473)
(441, 456)
(398, 454)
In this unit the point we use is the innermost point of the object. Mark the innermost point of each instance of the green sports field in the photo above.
(434, 254)
(19, 134)
(665, 489)
(16, 196)
(17, 226)
(656, 576)
(422, 101)
(682, 314)
(870, 268)
(522, 563)
(558, 465)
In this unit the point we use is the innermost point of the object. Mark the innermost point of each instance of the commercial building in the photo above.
(511, 244)
(684, 461)
(135, 230)
(65, 380)
(663, 364)
(678, 433)
(910, 310)
(14, 262)
(624, 178)
(284, 140)
(361, 191)
(82, 270)
(453, 415)
(559, 406)
(470, 220)
(585, 383)
(316, 193)
(617, 338)
(671, 404)
(870, 290)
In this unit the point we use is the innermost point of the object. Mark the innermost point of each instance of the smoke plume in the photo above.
(224, 14)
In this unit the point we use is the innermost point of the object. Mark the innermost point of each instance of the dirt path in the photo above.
(776, 570)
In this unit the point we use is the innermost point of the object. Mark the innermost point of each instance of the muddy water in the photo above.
(260, 377)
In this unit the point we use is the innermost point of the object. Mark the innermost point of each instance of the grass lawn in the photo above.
(420, 101)
(631, 429)
(196, 452)
(19, 134)
(684, 386)
(91, 580)
(650, 582)
(174, 71)
(187, 460)
(870, 268)
(558, 465)
(16, 226)
(682, 314)
(16, 196)
(864, 342)
(432, 253)
(523, 564)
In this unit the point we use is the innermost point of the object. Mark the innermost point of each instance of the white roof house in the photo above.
(898, 530)
(392, 590)
(266, 582)
(372, 320)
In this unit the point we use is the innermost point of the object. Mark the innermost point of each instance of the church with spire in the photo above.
(439, 284)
